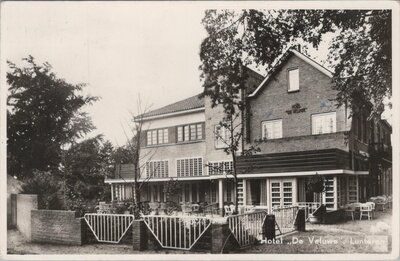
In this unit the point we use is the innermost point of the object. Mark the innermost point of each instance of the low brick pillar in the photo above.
(300, 221)
(139, 235)
(219, 236)
(269, 227)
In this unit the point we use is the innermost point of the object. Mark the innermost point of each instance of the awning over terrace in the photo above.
(301, 161)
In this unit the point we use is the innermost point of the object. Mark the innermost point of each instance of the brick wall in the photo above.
(315, 95)
(25, 203)
(57, 226)
(308, 142)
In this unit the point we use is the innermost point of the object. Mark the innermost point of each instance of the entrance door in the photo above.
(281, 192)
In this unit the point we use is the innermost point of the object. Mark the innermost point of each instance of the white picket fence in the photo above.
(247, 227)
(177, 232)
(309, 207)
(285, 217)
(109, 228)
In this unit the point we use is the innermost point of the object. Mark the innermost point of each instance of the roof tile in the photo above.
(190, 103)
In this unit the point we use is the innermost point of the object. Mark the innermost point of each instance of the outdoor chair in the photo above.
(372, 204)
(154, 207)
(389, 200)
(211, 209)
(228, 210)
(381, 202)
(186, 209)
(232, 207)
(349, 210)
(195, 208)
(249, 209)
(366, 211)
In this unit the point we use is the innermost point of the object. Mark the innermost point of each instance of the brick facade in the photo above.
(315, 95)
(57, 226)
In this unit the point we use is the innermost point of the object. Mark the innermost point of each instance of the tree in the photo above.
(43, 116)
(360, 51)
(46, 186)
(84, 167)
(133, 147)
(123, 155)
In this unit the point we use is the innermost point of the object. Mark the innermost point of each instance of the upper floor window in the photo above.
(189, 167)
(157, 169)
(222, 136)
(220, 167)
(189, 132)
(155, 137)
(293, 78)
(271, 129)
(324, 123)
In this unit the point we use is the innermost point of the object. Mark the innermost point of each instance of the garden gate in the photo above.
(177, 232)
(285, 217)
(247, 228)
(109, 228)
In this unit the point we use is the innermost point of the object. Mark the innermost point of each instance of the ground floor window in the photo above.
(330, 189)
(352, 189)
(281, 192)
(230, 187)
(256, 192)
(121, 191)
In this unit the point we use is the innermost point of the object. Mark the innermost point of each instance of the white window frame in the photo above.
(180, 136)
(281, 192)
(199, 131)
(189, 167)
(275, 134)
(165, 134)
(293, 80)
(326, 126)
(193, 134)
(224, 165)
(219, 139)
(161, 172)
(149, 139)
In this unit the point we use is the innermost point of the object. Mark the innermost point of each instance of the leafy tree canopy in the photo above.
(360, 51)
(44, 114)
(85, 165)
(123, 154)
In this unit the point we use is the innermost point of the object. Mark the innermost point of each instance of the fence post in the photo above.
(269, 227)
(139, 235)
(300, 221)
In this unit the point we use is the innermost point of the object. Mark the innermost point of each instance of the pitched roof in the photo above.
(194, 102)
(283, 60)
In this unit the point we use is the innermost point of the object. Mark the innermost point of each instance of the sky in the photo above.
(122, 50)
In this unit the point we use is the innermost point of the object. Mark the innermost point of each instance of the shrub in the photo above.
(46, 186)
